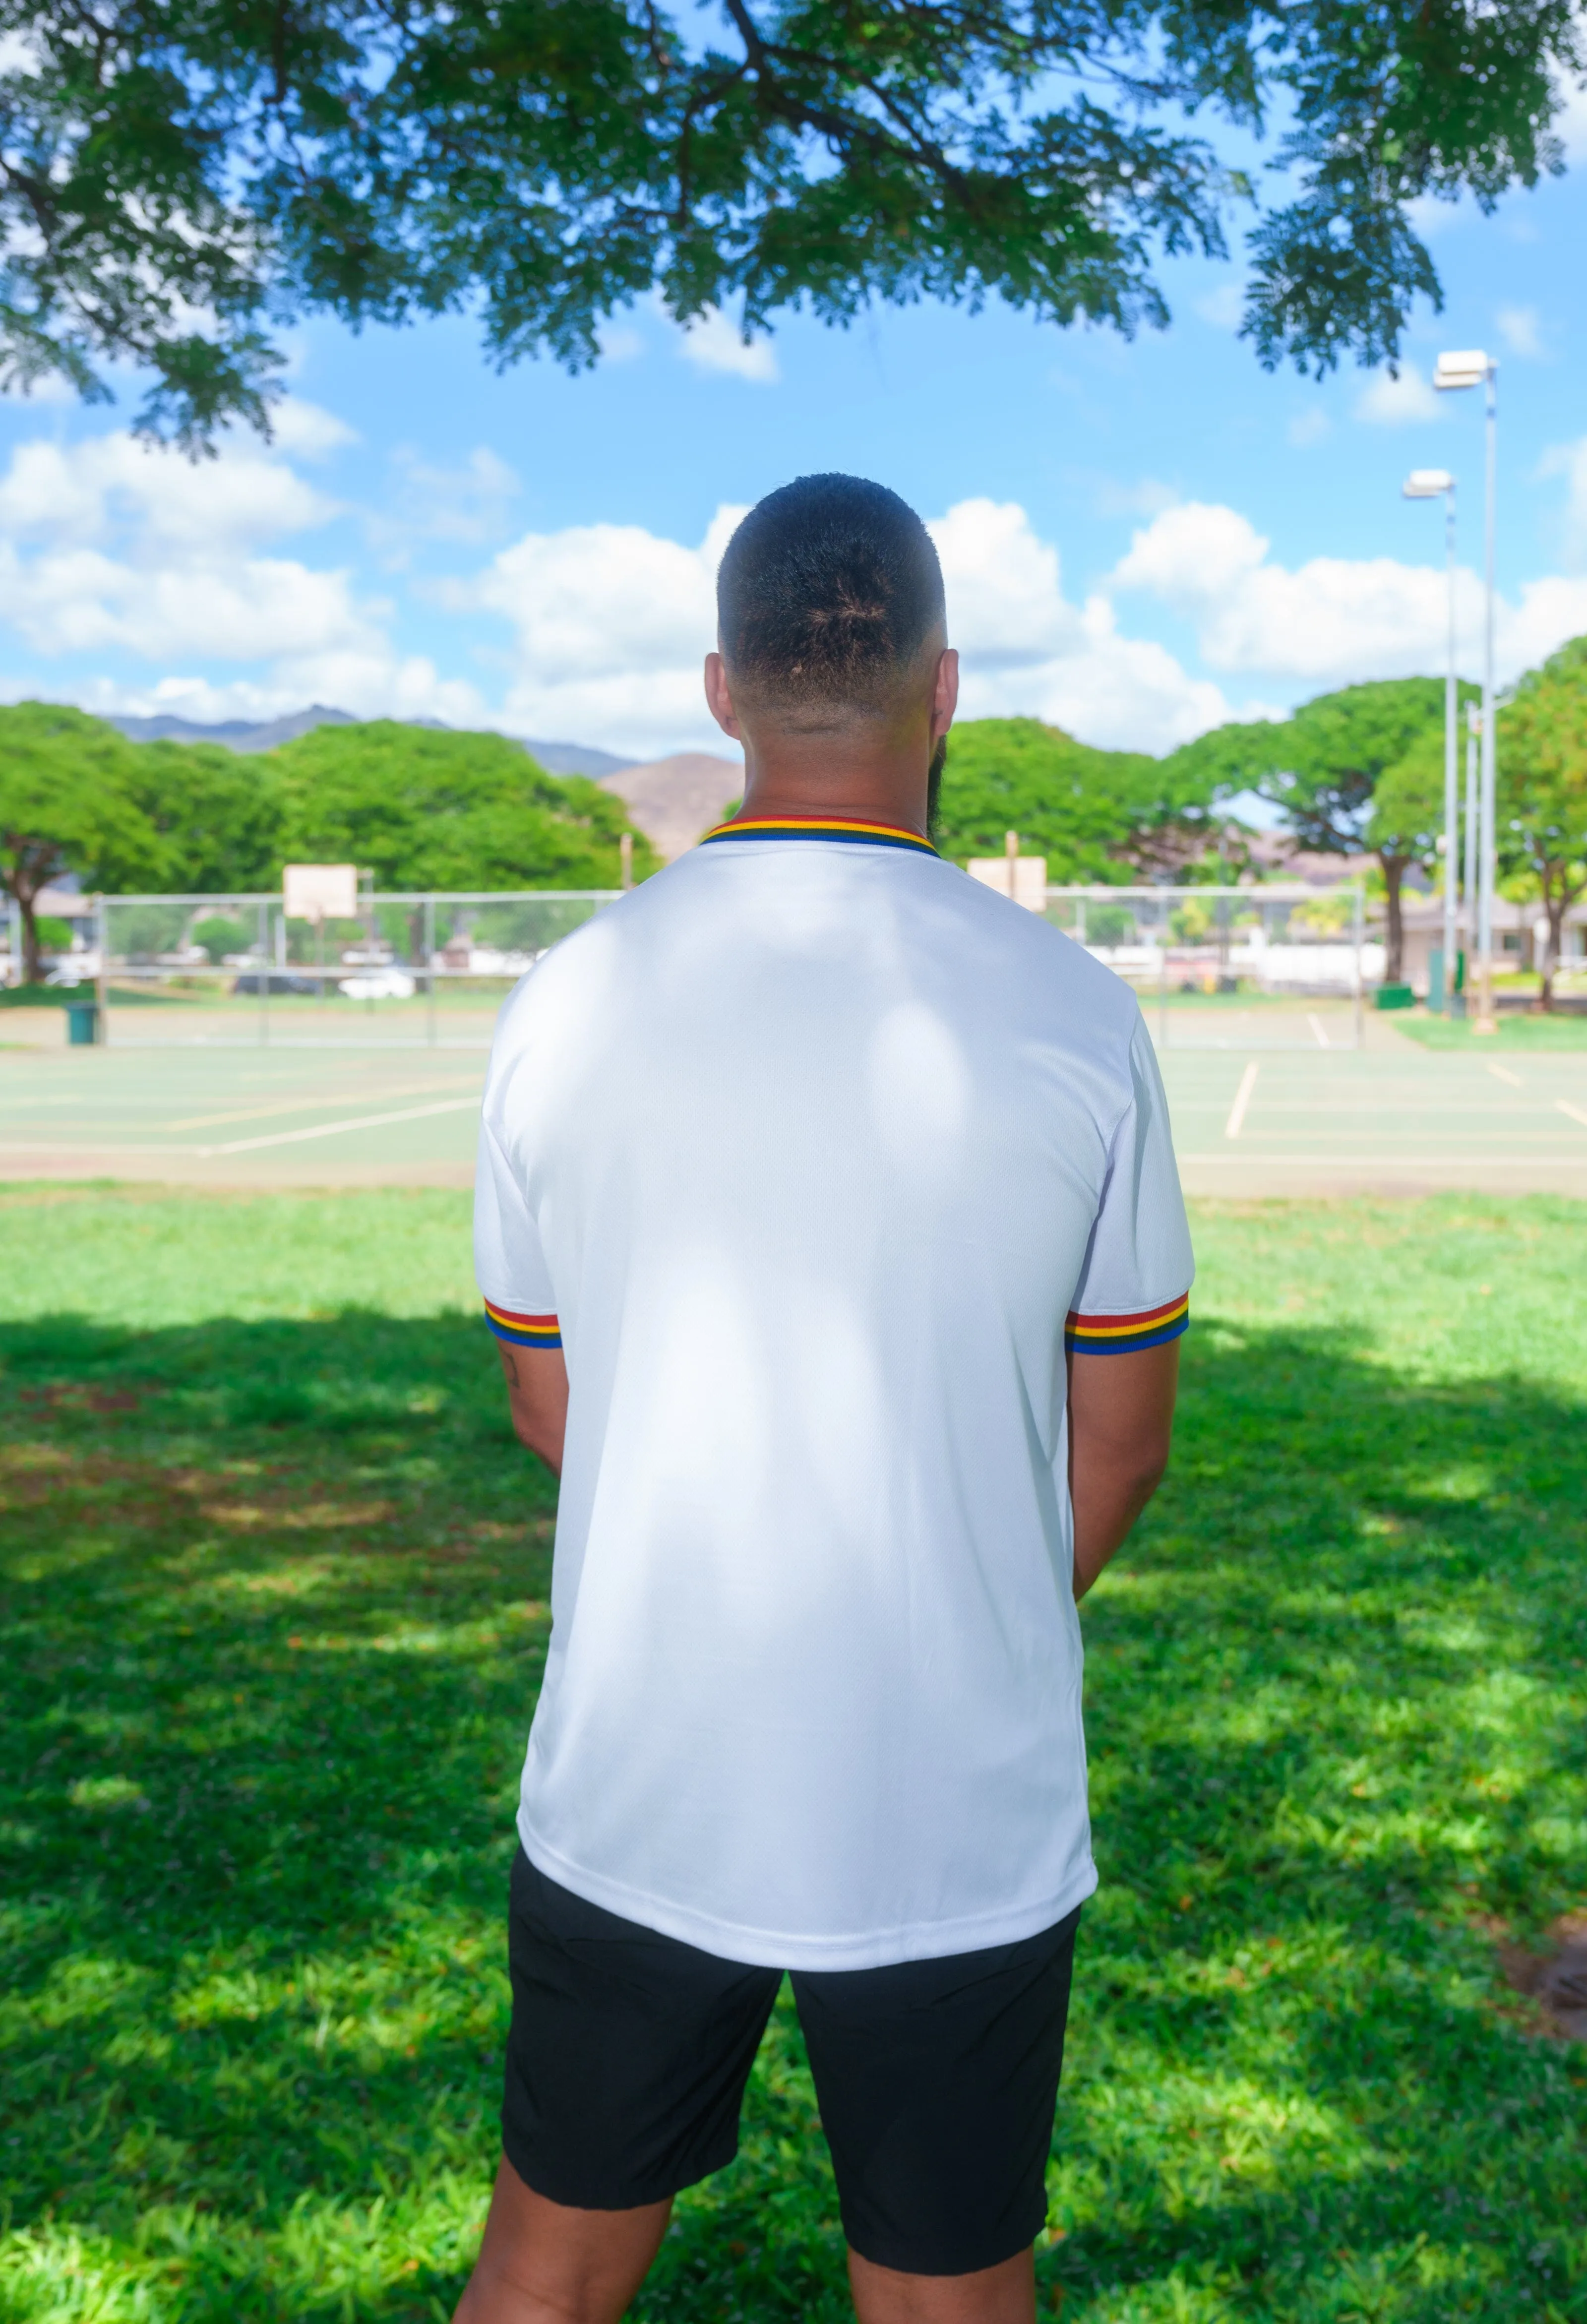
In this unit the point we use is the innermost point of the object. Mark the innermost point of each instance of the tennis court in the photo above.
(1389, 1118)
(1250, 1120)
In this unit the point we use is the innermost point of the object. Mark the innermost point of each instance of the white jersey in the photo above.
(808, 1151)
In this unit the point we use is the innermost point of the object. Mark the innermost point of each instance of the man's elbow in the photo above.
(1148, 1465)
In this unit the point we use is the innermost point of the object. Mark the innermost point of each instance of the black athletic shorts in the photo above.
(936, 2079)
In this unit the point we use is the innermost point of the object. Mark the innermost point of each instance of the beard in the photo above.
(939, 758)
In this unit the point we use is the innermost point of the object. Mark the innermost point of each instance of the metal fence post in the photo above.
(1361, 917)
(264, 972)
(102, 980)
(429, 970)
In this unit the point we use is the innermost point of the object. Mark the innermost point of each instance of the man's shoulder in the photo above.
(1028, 945)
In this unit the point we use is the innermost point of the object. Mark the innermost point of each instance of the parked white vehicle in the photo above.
(379, 984)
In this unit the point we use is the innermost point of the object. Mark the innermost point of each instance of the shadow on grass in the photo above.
(275, 1612)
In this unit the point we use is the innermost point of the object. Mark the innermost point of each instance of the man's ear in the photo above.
(945, 693)
(718, 700)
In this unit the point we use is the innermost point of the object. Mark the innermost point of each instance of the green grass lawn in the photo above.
(1567, 1030)
(275, 1609)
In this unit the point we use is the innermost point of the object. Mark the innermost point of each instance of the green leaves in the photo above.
(1095, 814)
(421, 808)
(1542, 758)
(68, 802)
(1322, 766)
(425, 808)
(180, 175)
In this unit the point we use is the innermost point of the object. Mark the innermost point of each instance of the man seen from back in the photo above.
(828, 1223)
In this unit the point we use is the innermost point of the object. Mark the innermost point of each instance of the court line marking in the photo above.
(1255, 1159)
(308, 1104)
(76, 1150)
(1248, 1082)
(1575, 1111)
(1315, 1022)
(336, 1129)
(1503, 1073)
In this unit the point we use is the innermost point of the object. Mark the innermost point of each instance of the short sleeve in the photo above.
(509, 1264)
(1134, 1288)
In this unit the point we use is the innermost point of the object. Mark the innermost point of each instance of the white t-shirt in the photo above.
(807, 1149)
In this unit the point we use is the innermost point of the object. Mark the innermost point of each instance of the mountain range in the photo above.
(240, 734)
(671, 800)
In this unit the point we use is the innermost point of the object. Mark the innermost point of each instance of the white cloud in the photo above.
(1570, 461)
(468, 502)
(619, 342)
(1521, 331)
(111, 485)
(1146, 498)
(1309, 427)
(1571, 126)
(1332, 620)
(110, 547)
(306, 431)
(715, 343)
(51, 388)
(610, 624)
(376, 686)
(187, 587)
(1223, 307)
(1387, 401)
(1028, 652)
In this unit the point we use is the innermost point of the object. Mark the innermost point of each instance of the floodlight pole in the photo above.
(1486, 1020)
(102, 979)
(1474, 367)
(1450, 773)
(1474, 729)
(1426, 485)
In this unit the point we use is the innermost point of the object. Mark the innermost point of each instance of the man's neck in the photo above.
(883, 782)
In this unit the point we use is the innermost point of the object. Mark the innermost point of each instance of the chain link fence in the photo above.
(1280, 967)
(427, 970)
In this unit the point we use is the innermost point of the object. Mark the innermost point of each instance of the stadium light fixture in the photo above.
(1432, 484)
(1460, 368)
(1465, 367)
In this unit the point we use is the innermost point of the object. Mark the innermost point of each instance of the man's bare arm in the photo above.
(537, 1397)
(1121, 1424)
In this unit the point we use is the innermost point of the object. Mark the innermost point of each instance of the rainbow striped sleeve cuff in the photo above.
(522, 1331)
(1119, 1335)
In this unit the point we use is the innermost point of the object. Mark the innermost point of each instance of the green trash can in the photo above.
(82, 1024)
(1394, 996)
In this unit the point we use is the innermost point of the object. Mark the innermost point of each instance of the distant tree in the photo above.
(1321, 768)
(423, 807)
(221, 814)
(181, 177)
(1541, 746)
(1404, 826)
(1097, 816)
(68, 803)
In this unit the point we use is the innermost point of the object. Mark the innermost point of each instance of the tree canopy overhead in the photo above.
(180, 176)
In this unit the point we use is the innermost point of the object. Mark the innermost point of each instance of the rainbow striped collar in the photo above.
(851, 832)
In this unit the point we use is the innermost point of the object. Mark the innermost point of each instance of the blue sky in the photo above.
(1140, 538)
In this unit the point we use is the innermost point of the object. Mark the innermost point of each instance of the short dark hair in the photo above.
(828, 591)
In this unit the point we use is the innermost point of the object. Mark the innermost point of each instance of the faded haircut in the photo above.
(828, 594)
